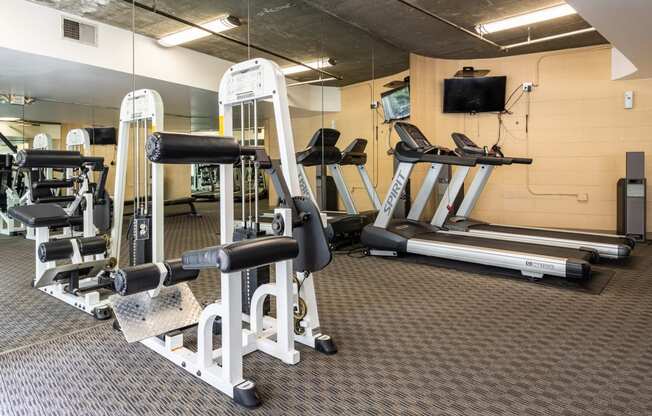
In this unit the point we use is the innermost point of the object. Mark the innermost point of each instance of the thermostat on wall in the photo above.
(629, 99)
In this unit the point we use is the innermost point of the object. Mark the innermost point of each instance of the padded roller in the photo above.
(55, 199)
(63, 248)
(177, 148)
(53, 184)
(137, 279)
(177, 274)
(242, 255)
(63, 159)
(131, 280)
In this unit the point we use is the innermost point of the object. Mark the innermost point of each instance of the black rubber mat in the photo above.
(413, 340)
(27, 315)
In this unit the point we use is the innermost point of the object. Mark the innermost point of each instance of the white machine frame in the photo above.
(43, 141)
(139, 106)
(222, 368)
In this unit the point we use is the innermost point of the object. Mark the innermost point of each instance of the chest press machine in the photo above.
(154, 303)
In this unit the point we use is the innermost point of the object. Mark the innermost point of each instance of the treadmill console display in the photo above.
(466, 145)
(412, 136)
(326, 137)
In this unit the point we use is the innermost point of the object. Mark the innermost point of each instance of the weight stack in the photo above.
(252, 278)
(140, 240)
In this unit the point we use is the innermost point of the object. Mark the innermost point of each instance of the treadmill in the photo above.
(604, 245)
(393, 237)
(343, 226)
(355, 155)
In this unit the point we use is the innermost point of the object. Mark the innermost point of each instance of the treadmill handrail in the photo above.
(490, 160)
(449, 160)
(522, 160)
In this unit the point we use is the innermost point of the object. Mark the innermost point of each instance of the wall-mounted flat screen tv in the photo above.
(474, 95)
(396, 103)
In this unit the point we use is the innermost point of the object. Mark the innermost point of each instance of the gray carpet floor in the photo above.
(413, 340)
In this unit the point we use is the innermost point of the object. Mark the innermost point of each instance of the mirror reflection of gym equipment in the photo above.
(314, 207)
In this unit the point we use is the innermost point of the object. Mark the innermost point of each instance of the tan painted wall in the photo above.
(578, 134)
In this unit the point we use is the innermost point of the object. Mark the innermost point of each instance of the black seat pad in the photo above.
(40, 215)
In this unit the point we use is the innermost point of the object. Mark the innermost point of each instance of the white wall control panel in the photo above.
(629, 99)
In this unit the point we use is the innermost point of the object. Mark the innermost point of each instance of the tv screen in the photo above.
(396, 103)
(474, 95)
(102, 135)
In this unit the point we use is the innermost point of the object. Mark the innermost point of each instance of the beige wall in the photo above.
(578, 134)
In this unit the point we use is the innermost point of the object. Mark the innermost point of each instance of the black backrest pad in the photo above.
(240, 255)
(314, 252)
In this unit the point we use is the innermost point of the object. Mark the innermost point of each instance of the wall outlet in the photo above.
(629, 100)
(583, 197)
(528, 86)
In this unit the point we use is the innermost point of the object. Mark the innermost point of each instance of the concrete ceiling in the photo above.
(367, 38)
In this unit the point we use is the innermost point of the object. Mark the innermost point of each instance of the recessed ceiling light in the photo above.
(525, 19)
(9, 119)
(221, 24)
(319, 64)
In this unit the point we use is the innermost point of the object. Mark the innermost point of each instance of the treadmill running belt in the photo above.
(601, 239)
(560, 252)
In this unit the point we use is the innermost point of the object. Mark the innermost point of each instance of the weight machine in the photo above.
(154, 304)
(84, 271)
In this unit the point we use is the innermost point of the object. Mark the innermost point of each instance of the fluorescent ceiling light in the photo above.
(525, 19)
(221, 24)
(547, 38)
(9, 119)
(313, 81)
(320, 64)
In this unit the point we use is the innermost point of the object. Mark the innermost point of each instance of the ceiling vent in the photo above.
(78, 31)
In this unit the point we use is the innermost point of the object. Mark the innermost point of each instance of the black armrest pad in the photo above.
(242, 255)
(40, 215)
